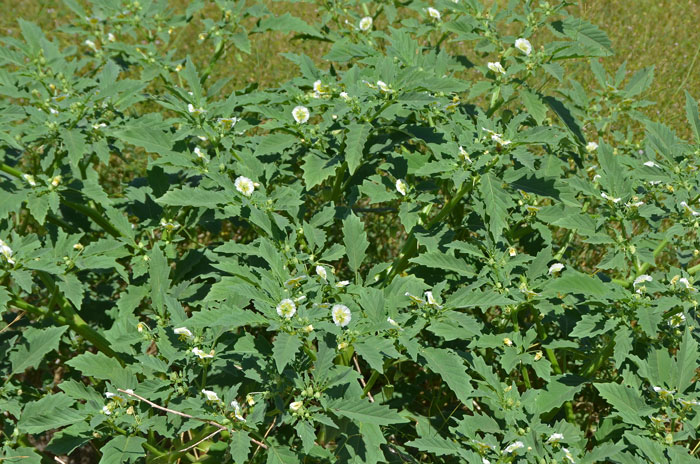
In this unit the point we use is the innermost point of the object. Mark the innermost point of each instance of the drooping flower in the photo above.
(301, 114)
(296, 406)
(56, 181)
(91, 44)
(228, 123)
(591, 147)
(184, 333)
(676, 320)
(244, 185)
(106, 411)
(392, 322)
(366, 23)
(344, 96)
(687, 285)
(507, 341)
(342, 283)
(401, 187)
(464, 155)
(689, 209)
(286, 308)
(294, 281)
(609, 198)
(211, 396)
(30, 179)
(414, 298)
(203, 354)
(250, 400)
(555, 268)
(524, 46)
(555, 438)
(496, 67)
(341, 315)
(640, 280)
(431, 299)
(538, 355)
(433, 13)
(308, 329)
(237, 410)
(169, 225)
(513, 447)
(568, 456)
(321, 272)
(651, 164)
(191, 108)
(200, 154)
(6, 252)
(512, 251)
(663, 393)
(383, 86)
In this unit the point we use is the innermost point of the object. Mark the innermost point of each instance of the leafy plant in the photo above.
(432, 245)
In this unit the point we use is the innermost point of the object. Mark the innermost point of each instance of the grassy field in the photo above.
(640, 30)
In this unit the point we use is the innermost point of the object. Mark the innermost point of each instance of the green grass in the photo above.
(641, 32)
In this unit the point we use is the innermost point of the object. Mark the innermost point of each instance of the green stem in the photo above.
(335, 193)
(95, 216)
(592, 367)
(370, 383)
(410, 248)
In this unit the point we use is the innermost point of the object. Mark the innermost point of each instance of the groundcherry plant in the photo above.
(432, 245)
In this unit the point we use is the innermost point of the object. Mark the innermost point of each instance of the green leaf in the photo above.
(284, 349)
(50, 412)
(444, 261)
(686, 362)
(468, 298)
(121, 449)
(497, 202)
(39, 342)
(159, 278)
(450, 367)
(626, 401)
(364, 411)
(355, 143)
(355, 239)
(72, 288)
(75, 146)
(150, 139)
(534, 105)
(239, 446)
(103, 367)
(691, 111)
(436, 445)
(559, 390)
(576, 282)
(188, 196)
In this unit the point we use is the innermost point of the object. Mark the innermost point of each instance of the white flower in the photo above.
(496, 137)
(244, 185)
(507, 342)
(641, 279)
(194, 110)
(663, 393)
(237, 409)
(341, 315)
(286, 308)
(140, 327)
(568, 455)
(295, 406)
(431, 299)
(651, 164)
(401, 187)
(99, 126)
(184, 333)
(689, 209)
(319, 88)
(30, 179)
(634, 205)
(56, 181)
(169, 225)
(228, 123)
(463, 154)
(676, 320)
(392, 322)
(129, 391)
(91, 44)
(591, 147)
(366, 23)
(433, 13)
(110, 395)
(200, 154)
(249, 399)
(685, 282)
(294, 281)
(111, 37)
(106, 411)
(608, 197)
(556, 267)
(513, 446)
(211, 396)
(596, 177)
(414, 298)
(203, 354)
(344, 96)
(308, 329)
(383, 86)
(687, 403)
(483, 460)
(6, 252)
(524, 46)
(342, 283)
(301, 114)
(555, 438)
(512, 252)
(321, 272)
(538, 355)
(496, 67)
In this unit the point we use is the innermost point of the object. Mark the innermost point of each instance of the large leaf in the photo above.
(626, 401)
(38, 343)
(121, 449)
(355, 144)
(284, 349)
(355, 239)
(364, 411)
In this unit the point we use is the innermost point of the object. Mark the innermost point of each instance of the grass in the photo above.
(641, 33)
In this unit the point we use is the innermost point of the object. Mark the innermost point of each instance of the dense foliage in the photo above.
(433, 245)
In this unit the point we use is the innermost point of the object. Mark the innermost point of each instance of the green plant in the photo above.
(528, 295)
